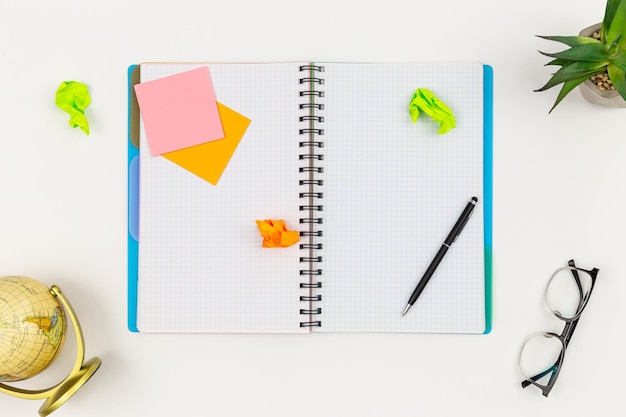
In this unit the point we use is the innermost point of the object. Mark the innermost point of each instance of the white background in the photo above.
(558, 194)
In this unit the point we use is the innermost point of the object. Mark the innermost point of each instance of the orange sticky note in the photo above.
(209, 160)
(179, 111)
(276, 235)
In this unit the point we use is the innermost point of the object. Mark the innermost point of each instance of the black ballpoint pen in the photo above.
(456, 231)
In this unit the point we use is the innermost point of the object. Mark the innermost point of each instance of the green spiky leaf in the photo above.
(560, 62)
(568, 86)
(620, 61)
(614, 22)
(618, 78)
(609, 14)
(586, 52)
(571, 40)
(574, 71)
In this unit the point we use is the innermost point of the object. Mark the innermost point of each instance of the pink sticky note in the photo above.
(179, 111)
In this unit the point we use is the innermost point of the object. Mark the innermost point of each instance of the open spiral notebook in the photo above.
(329, 148)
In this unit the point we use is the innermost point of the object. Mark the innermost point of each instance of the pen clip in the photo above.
(462, 226)
(461, 222)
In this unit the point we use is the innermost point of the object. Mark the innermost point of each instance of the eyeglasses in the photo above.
(542, 354)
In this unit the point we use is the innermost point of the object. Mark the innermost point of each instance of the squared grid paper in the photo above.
(392, 192)
(201, 264)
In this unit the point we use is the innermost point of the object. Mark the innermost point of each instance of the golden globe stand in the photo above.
(58, 394)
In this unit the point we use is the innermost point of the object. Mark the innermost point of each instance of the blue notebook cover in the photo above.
(133, 194)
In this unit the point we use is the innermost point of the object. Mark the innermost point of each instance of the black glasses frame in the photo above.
(566, 335)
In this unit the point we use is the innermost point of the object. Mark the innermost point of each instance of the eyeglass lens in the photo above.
(540, 353)
(567, 291)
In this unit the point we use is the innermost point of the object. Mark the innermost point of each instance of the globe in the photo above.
(32, 328)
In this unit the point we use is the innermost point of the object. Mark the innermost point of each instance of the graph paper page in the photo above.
(201, 264)
(393, 190)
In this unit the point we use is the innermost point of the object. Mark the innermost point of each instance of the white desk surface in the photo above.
(559, 193)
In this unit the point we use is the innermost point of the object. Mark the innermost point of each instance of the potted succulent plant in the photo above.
(602, 57)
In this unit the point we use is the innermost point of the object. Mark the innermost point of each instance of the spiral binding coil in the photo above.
(311, 196)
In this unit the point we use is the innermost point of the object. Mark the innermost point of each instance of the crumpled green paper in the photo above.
(424, 100)
(73, 98)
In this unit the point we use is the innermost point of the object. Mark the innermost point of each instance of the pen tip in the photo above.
(406, 309)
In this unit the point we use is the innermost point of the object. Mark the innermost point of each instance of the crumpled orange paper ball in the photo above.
(276, 235)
